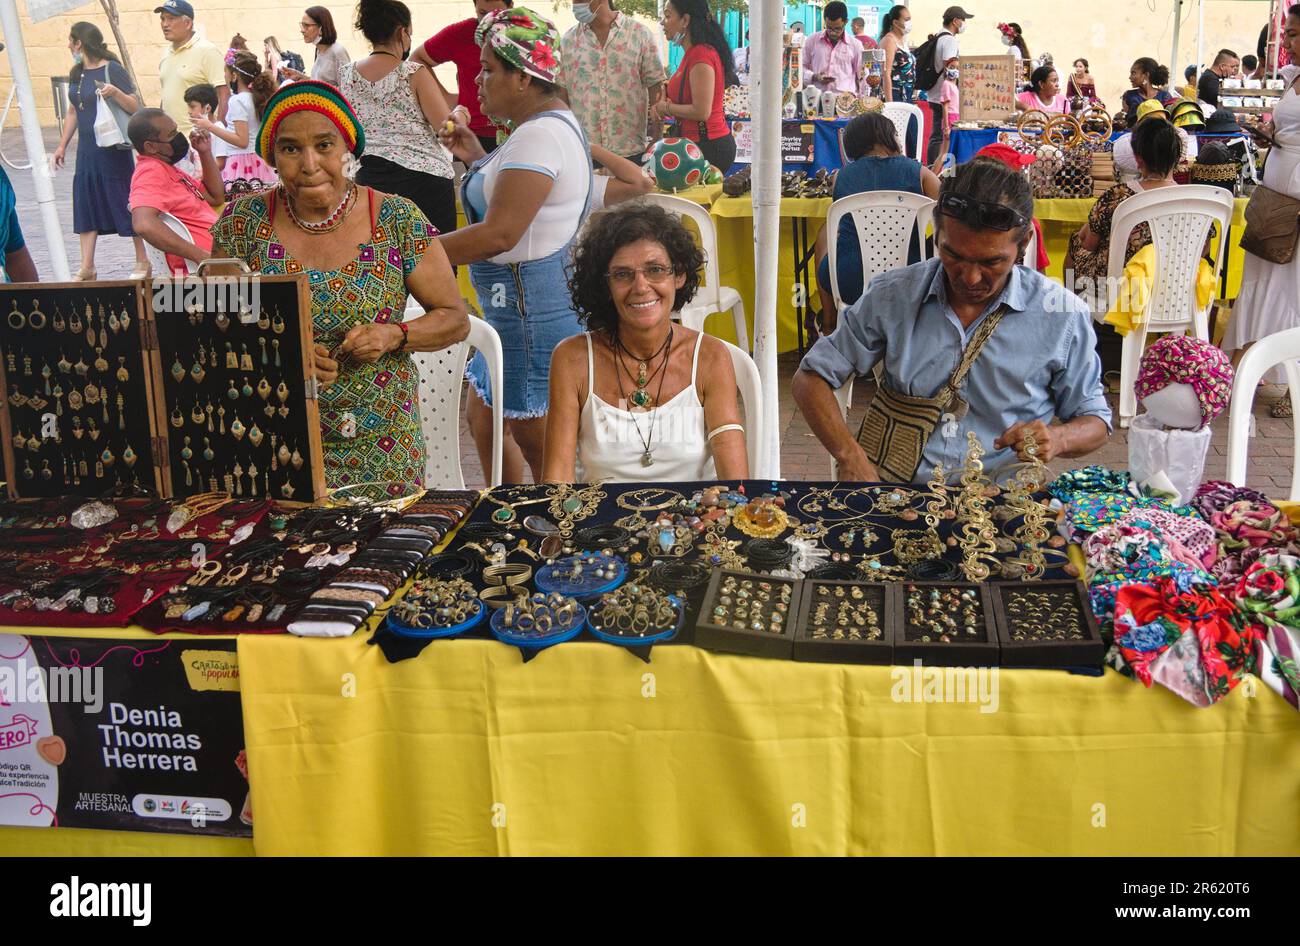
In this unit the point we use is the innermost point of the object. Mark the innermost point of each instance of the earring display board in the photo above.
(76, 419)
(238, 401)
(988, 87)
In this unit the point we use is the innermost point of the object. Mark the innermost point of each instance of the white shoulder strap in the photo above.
(591, 367)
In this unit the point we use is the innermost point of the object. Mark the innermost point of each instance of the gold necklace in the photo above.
(506, 515)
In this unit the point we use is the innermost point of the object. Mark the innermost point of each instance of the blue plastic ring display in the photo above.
(503, 633)
(433, 633)
(547, 582)
(629, 640)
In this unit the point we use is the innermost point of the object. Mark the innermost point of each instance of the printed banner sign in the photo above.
(796, 142)
(138, 735)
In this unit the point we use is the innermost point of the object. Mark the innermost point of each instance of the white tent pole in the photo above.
(32, 138)
(1200, 40)
(765, 91)
(1173, 56)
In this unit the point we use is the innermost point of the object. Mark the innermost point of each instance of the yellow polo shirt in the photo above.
(196, 62)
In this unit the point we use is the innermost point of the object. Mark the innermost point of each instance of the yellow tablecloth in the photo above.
(591, 751)
(587, 750)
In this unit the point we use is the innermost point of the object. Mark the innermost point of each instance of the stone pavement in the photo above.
(802, 457)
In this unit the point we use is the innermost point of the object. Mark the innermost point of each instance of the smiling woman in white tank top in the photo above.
(638, 397)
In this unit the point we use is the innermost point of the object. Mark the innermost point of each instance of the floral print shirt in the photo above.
(609, 85)
(396, 128)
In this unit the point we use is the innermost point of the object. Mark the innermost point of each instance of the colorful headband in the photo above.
(309, 95)
(524, 39)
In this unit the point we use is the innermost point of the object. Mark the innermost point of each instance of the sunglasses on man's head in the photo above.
(981, 213)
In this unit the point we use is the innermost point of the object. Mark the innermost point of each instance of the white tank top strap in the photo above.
(695, 360)
(591, 367)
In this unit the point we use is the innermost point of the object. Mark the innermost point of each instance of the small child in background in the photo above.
(201, 100)
(253, 88)
(951, 99)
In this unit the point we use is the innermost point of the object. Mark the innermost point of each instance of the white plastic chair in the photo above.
(1279, 348)
(442, 376)
(903, 114)
(885, 222)
(1180, 219)
(751, 402)
(157, 258)
(712, 295)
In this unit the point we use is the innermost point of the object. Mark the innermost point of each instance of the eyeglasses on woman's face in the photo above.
(626, 275)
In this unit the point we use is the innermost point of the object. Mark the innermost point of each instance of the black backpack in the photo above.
(293, 61)
(927, 70)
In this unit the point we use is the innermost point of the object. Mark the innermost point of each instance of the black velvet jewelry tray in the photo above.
(746, 640)
(56, 424)
(1048, 654)
(979, 651)
(846, 651)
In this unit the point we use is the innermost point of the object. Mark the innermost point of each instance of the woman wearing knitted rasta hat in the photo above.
(364, 251)
(525, 204)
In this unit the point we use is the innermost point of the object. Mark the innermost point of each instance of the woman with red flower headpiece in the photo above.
(524, 204)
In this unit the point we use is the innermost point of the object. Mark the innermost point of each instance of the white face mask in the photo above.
(962, 28)
(907, 27)
(582, 12)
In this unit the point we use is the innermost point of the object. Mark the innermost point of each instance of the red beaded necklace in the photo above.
(332, 222)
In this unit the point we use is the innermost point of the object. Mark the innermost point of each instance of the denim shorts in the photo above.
(529, 306)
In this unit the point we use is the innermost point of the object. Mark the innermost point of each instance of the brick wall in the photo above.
(218, 21)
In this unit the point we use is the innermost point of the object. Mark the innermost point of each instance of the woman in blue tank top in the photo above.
(876, 163)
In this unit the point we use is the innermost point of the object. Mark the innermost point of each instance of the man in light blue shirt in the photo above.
(1039, 362)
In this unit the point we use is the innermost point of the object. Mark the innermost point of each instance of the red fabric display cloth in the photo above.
(53, 574)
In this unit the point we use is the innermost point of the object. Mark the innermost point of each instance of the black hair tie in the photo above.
(933, 569)
(595, 538)
(834, 571)
(768, 553)
(445, 566)
(678, 576)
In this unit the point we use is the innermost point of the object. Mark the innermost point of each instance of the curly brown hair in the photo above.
(606, 235)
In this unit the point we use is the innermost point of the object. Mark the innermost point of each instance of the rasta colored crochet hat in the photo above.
(309, 95)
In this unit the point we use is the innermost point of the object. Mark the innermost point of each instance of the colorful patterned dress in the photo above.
(382, 398)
